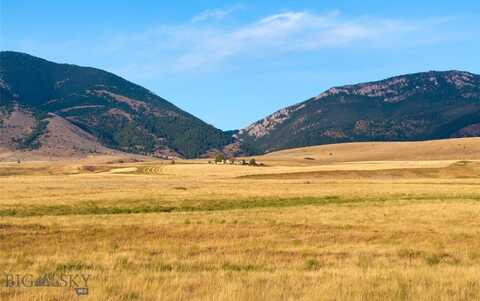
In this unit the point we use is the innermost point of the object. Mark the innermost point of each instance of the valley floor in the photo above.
(377, 230)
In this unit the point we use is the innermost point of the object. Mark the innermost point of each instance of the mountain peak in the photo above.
(419, 106)
(399, 88)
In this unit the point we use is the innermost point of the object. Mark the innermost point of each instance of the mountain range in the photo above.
(65, 110)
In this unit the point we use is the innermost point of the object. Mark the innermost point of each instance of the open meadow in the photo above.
(348, 222)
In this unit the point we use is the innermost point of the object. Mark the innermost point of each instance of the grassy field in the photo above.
(304, 227)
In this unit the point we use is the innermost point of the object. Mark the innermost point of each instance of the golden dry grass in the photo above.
(448, 149)
(377, 230)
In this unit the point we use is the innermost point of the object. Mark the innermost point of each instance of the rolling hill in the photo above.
(421, 106)
(62, 109)
(432, 150)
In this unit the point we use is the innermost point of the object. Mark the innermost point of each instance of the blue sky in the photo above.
(233, 62)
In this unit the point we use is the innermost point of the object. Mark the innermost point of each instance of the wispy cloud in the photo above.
(291, 31)
(216, 14)
(201, 43)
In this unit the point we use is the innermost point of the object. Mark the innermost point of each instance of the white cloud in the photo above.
(202, 45)
(294, 31)
(216, 14)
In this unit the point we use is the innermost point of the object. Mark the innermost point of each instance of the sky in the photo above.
(232, 63)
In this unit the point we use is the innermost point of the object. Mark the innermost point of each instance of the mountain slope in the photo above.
(422, 106)
(113, 111)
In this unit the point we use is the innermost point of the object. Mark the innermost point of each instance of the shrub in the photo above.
(312, 264)
(433, 259)
(219, 157)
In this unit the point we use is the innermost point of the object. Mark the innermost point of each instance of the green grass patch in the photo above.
(72, 265)
(152, 206)
(231, 267)
(137, 206)
(312, 264)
